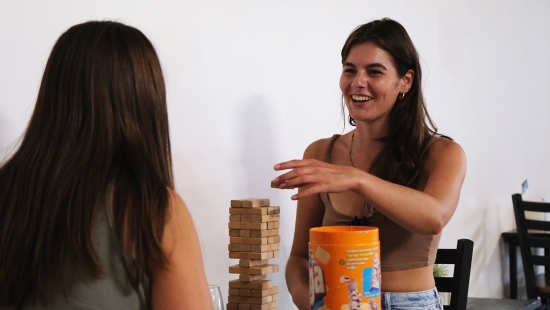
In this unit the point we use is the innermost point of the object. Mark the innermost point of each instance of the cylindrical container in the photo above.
(344, 268)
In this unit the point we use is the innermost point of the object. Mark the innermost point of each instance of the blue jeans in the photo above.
(412, 300)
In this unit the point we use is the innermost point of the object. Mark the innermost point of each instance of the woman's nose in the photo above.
(360, 80)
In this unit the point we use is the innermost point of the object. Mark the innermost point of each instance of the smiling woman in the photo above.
(394, 171)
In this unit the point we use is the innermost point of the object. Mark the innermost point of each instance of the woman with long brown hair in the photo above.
(393, 171)
(88, 215)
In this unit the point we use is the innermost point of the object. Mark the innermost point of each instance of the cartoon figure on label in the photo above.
(376, 273)
(317, 288)
(353, 293)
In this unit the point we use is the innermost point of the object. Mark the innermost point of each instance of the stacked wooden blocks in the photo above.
(253, 239)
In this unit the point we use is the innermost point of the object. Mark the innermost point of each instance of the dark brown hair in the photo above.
(410, 125)
(100, 120)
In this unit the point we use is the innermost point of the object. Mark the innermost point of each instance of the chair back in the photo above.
(529, 242)
(458, 285)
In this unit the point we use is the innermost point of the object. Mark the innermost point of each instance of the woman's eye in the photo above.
(374, 72)
(349, 71)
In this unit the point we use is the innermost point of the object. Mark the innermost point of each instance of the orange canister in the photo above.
(344, 268)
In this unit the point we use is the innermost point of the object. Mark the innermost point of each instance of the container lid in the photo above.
(340, 235)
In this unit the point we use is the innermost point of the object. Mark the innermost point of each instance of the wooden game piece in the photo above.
(244, 247)
(268, 306)
(235, 291)
(236, 204)
(258, 248)
(234, 233)
(261, 269)
(251, 226)
(263, 233)
(273, 239)
(232, 306)
(242, 240)
(259, 293)
(256, 285)
(244, 233)
(276, 253)
(262, 218)
(274, 185)
(252, 262)
(254, 202)
(234, 218)
(246, 218)
(233, 247)
(251, 277)
(250, 300)
(273, 210)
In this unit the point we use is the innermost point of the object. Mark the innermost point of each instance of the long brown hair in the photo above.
(410, 125)
(100, 119)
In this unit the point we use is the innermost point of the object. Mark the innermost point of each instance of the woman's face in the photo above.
(370, 83)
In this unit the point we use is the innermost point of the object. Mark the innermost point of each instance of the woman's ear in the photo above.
(407, 81)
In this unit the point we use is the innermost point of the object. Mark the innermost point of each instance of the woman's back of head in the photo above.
(100, 118)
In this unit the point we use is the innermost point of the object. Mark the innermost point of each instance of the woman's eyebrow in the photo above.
(376, 65)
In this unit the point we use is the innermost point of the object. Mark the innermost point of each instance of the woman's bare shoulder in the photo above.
(442, 149)
(317, 149)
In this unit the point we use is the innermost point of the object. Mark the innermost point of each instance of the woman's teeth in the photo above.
(360, 98)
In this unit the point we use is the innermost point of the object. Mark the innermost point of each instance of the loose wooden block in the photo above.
(235, 291)
(244, 247)
(245, 306)
(263, 233)
(242, 240)
(250, 300)
(250, 255)
(252, 262)
(269, 306)
(251, 226)
(256, 248)
(258, 293)
(233, 247)
(263, 218)
(251, 277)
(254, 202)
(235, 233)
(274, 239)
(261, 269)
(244, 233)
(232, 306)
(236, 204)
(256, 285)
(234, 218)
(246, 218)
(273, 185)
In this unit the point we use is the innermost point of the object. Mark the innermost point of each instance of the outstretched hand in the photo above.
(315, 177)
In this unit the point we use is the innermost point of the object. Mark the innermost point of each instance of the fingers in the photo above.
(295, 163)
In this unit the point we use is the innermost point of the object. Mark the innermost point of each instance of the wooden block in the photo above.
(236, 204)
(245, 306)
(274, 239)
(269, 306)
(273, 210)
(233, 247)
(274, 297)
(244, 233)
(252, 262)
(234, 291)
(251, 226)
(251, 277)
(270, 225)
(263, 218)
(234, 218)
(232, 306)
(258, 248)
(235, 233)
(276, 225)
(250, 255)
(263, 233)
(259, 293)
(244, 247)
(273, 185)
(254, 202)
(250, 300)
(242, 240)
(261, 269)
(251, 211)
(246, 218)
(256, 285)
(276, 253)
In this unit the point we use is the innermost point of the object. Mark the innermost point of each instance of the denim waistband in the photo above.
(391, 300)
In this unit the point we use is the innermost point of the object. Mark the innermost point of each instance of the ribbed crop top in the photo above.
(400, 248)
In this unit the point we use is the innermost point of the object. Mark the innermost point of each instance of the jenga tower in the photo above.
(253, 239)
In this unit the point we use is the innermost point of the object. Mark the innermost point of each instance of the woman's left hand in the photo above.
(313, 177)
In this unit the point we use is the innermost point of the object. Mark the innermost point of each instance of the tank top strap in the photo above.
(329, 147)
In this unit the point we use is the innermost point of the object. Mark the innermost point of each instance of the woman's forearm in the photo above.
(297, 281)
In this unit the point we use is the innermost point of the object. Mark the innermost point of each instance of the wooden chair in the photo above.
(529, 243)
(461, 258)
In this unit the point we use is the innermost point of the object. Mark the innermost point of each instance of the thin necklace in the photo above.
(365, 204)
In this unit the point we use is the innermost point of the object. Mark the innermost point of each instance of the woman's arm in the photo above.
(425, 212)
(309, 214)
(182, 283)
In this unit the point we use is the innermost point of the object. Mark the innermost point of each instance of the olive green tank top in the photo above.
(399, 248)
(113, 290)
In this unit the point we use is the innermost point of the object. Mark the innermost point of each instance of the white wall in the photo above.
(252, 83)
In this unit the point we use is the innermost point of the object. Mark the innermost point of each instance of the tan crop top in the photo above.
(399, 248)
